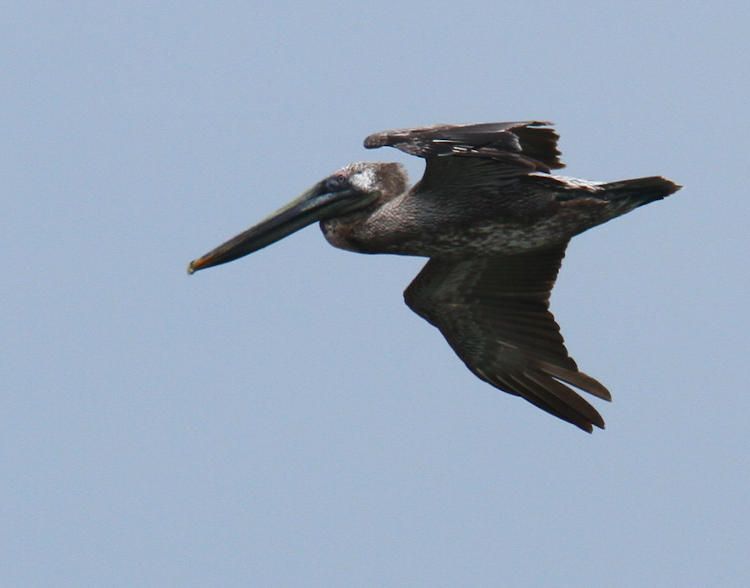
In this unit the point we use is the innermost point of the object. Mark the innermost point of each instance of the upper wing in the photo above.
(517, 148)
(494, 313)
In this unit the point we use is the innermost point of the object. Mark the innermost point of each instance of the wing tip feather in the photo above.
(534, 140)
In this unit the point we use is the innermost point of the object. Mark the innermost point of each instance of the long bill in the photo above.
(314, 205)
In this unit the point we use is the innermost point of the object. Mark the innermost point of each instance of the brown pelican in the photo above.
(494, 223)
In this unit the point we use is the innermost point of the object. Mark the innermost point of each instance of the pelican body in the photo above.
(494, 223)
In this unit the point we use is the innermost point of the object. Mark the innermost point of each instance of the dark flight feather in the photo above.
(493, 311)
(525, 146)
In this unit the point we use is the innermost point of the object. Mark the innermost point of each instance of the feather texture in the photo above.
(494, 312)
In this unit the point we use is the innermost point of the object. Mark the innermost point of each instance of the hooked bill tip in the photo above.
(191, 268)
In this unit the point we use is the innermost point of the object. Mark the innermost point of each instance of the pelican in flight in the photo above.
(494, 223)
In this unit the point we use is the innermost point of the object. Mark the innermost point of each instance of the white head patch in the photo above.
(362, 176)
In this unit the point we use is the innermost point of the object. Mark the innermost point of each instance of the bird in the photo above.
(494, 222)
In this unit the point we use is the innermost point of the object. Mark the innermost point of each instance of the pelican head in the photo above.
(354, 190)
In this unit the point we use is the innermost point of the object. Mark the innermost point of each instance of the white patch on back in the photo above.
(572, 182)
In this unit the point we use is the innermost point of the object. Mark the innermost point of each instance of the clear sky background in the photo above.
(285, 420)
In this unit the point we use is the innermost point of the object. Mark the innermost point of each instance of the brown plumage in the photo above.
(495, 225)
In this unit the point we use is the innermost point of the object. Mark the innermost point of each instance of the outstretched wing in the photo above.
(516, 148)
(494, 312)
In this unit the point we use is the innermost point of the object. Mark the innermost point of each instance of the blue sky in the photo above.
(285, 420)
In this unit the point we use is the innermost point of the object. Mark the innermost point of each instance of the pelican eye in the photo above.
(337, 183)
